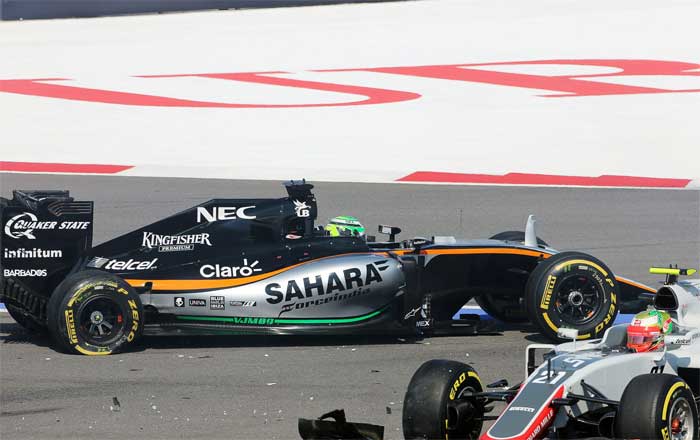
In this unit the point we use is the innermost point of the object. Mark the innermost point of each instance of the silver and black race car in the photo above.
(587, 389)
(261, 266)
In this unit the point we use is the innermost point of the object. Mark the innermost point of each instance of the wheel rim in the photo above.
(579, 299)
(680, 423)
(466, 432)
(100, 320)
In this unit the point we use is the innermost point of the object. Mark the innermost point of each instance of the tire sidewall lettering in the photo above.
(465, 379)
(588, 269)
(457, 384)
(119, 295)
(546, 283)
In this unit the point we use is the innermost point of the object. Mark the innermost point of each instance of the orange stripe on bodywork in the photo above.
(508, 251)
(205, 284)
(400, 251)
(635, 284)
(199, 284)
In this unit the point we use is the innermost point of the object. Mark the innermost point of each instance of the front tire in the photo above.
(94, 313)
(573, 290)
(433, 387)
(657, 406)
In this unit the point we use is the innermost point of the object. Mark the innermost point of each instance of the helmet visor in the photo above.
(641, 338)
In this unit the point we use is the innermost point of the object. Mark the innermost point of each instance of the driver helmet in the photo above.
(647, 331)
(345, 225)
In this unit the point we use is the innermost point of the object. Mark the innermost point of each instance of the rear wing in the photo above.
(43, 235)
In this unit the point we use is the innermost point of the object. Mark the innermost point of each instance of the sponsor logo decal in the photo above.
(98, 262)
(32, 253)
(24, 272)
(70, 326)
(253, 321)
(549, 289)
(218, 213)
(24, 225)
(521, 408)
(682, 339)
(242, 303)
(179, 301)
(198, 302)
(302, 209)
(106, 263)
(174, 243)
(412, 313)
(455, 386)
(134, 320)
(217, 302)
(219, 271)
(329, 286)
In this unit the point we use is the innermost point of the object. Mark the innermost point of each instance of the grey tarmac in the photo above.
(257, 388)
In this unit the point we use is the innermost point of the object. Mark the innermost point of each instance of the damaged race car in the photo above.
(639, 381)
(261, 266)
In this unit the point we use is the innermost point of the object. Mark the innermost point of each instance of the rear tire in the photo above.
(573, 290)
(425, 408)
(94, 313)
(649, 405)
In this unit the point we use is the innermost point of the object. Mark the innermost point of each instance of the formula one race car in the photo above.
(260, 266)
(600, 388)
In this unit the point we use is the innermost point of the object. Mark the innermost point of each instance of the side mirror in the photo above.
(391, 231)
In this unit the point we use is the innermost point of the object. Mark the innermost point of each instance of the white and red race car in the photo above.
(597, 388)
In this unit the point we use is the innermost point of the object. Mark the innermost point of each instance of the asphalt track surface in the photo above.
(257, 388)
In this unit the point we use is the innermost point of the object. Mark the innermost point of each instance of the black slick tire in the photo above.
(94, 313)
(649, 405)
(425, 408)
(572, 290)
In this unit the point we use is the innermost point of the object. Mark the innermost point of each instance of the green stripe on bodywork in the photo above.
(283, 321)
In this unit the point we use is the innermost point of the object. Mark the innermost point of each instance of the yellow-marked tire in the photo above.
(573, 290)
(427, 413)
(94, 313)
(657, 406)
